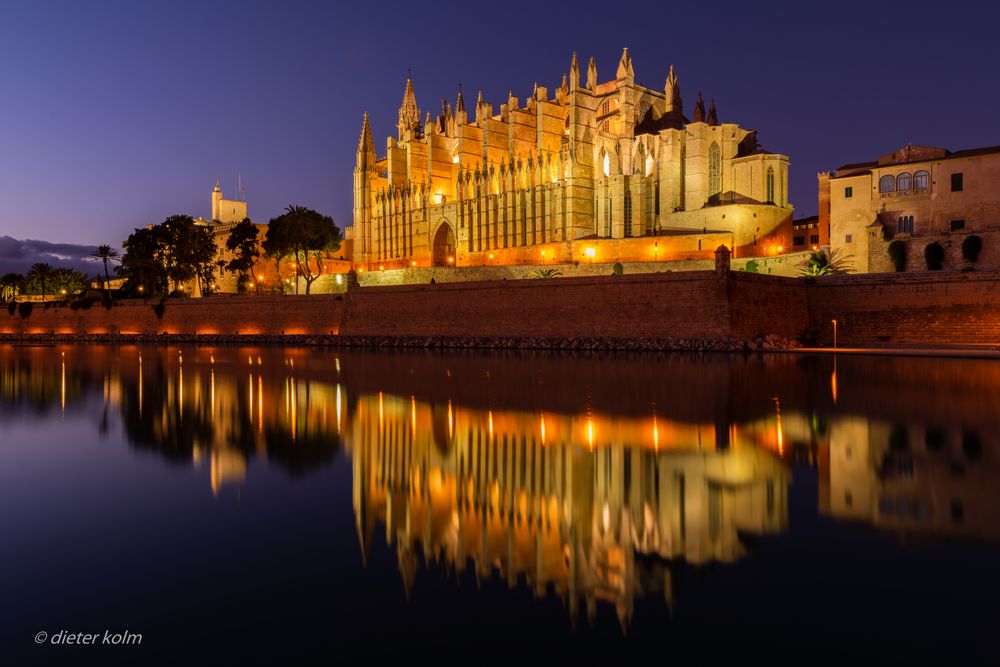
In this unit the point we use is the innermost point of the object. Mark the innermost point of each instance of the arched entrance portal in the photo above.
(444, 246)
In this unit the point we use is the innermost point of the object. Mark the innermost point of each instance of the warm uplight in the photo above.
(781, 248)
(590, 252)
(491, 255)
(339, 279)
(381, 268)
(438, 198)
(451, 260)
(454, 159)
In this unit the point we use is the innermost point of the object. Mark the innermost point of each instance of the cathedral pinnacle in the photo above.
(713, 115)
(574, 73)
(625, 66)
(460, 102)
(592, 74)
(409, 114)
(366, 146)
(672, 92)
(699, 110)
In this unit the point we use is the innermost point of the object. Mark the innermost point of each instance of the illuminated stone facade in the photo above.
(914, 194)
(593, 161)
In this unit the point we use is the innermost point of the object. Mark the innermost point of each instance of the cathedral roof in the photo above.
(654, 121)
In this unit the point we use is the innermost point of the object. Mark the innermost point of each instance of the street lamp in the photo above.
(834, 335)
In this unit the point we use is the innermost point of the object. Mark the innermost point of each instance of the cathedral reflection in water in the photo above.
(585, 478)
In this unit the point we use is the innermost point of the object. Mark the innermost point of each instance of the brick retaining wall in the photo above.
(906, 309)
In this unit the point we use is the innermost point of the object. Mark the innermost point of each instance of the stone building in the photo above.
(613, 163)
(917, 194)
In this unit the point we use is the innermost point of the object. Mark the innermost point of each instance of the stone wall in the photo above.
(778, 265)
(989, 258)
(291, 315)
(920, 308)
(925, 308)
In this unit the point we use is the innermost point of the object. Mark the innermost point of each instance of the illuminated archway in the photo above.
(444, 246)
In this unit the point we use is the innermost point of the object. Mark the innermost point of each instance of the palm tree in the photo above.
(823, 263)
(10, 285)
(106, 254)
(547, 273)
(40, 272)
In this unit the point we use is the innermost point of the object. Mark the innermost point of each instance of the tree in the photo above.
(242, 242)
(305, 235)
(106, 254)
(547, 273)
(897, 254)
(175, 251)
(11, 285)
(40, 273)
(142, 266)
(823, 263)
(934, 256)
(68, 282)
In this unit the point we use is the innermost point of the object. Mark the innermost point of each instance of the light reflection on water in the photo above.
(590, 480)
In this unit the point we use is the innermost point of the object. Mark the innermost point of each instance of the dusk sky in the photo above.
(118, 114)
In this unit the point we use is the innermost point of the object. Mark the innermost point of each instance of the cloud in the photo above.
(17, 256)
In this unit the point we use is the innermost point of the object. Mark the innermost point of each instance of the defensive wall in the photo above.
(896, 309)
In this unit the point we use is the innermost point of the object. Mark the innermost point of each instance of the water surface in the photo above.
(232, 503)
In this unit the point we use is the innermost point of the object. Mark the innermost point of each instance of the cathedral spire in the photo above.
(574, 73)
(460, 102)
(713, 116)
(699, 110)
(409, 113)
(672, 92)
(480, 109)
(625, 66)
(592, 74)
(366, 147)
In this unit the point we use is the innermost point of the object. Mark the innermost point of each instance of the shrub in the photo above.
(178, 294)
(24, 309)
(934, 256)
(159, 308)
(12, 307)
(934, 438)
(751, 266)
(899, 439)
(617, 269)
(971, 247)
(972, 445)
(809, 336)
(897, 253)
(547, 273)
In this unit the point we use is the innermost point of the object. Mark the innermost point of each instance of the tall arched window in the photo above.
(887, 184)
(920, 180)
(770, 185)
(714, 170)
(607, 165)
(904, 182)
(627, 210)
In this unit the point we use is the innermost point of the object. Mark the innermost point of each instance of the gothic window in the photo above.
(714, 170)
(607, 165)
(605, 107)
(886, 184)
(627, 211)
(770, 185)
(920, 180)
(904, 182)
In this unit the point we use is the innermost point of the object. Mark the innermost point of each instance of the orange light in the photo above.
(451, 260)
(590, 252)
(413, 263)
(381, 268)
(780, 248)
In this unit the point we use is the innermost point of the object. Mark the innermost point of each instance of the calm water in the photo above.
(255, 502)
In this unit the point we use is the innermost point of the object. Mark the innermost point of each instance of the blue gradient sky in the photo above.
(118, 114)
